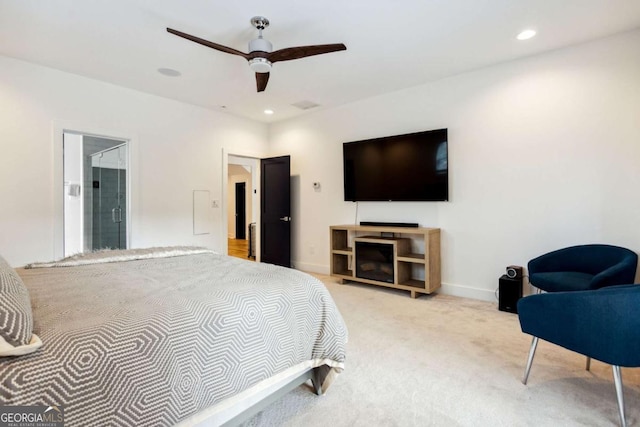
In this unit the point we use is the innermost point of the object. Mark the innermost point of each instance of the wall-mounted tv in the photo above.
(411, 167)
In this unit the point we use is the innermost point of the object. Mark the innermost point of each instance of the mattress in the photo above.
(154, 337)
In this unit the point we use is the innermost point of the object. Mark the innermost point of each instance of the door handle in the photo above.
(285, 218)
(113, 215)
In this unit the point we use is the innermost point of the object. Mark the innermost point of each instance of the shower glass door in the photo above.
(109, 217)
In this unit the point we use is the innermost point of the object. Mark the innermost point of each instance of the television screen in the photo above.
(411, 167)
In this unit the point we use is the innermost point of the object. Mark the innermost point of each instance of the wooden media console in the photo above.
(396, 257)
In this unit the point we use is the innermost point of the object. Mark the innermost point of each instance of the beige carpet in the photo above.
(447, 361)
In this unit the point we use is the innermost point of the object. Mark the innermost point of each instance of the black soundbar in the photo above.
(390, 224)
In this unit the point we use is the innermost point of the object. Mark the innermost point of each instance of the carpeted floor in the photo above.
(447, 361)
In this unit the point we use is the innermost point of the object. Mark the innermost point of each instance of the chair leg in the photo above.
(617, 377)
(588, 366)
(532, 352)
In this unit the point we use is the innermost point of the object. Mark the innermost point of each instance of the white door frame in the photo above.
(224, 228)
(58, 130)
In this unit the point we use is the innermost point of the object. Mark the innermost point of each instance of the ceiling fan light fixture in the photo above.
(261, 45)
(260, 65)
(261, 54)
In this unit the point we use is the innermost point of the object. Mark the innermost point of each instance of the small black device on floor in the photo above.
(510, 289)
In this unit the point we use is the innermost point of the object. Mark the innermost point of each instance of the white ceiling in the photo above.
(391, 45)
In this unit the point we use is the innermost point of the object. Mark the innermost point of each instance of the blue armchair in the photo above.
(600, 324)
(584, 267)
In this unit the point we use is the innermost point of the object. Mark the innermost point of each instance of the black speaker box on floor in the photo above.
(510, 291)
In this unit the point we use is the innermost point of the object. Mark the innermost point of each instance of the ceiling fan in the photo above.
(260, 54)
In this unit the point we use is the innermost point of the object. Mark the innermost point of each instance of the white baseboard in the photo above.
(311, 268)
(468, 292)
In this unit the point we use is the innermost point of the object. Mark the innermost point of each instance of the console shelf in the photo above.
(409, 258)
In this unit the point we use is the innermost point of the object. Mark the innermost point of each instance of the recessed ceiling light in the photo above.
(169, 72)
(526, 34)
(268, 112)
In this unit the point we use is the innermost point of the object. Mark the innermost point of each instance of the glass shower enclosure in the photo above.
(109, 198)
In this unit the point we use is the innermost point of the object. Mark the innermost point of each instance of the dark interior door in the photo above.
(275, 208)
(241, 210)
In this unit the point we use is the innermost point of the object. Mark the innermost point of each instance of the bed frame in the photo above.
(250, 412)
(274, 393)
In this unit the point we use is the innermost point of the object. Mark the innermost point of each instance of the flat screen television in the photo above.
(411, 167)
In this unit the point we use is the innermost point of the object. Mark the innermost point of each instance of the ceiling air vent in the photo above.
(305, 105)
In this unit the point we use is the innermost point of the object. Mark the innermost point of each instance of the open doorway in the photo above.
(242, 207)
(268, 207)
(96, 193)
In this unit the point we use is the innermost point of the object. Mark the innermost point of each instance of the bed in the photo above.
(167, 336)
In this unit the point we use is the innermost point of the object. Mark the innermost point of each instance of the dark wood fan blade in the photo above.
(207, 43)
(303, 51)
(261, 81)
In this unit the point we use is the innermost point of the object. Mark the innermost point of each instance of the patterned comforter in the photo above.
(152, 341)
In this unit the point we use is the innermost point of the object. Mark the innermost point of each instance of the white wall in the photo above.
(543, 153)
(73, 205)
(179, 149)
